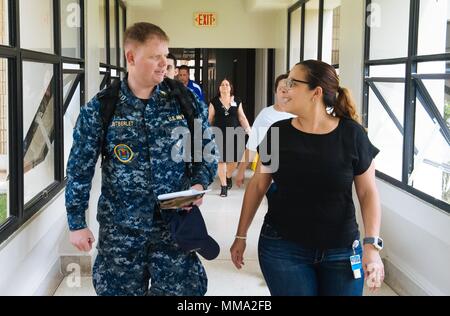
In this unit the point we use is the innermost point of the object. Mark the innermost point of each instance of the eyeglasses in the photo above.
(290, 82)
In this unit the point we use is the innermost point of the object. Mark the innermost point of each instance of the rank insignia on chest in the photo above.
(123, 153)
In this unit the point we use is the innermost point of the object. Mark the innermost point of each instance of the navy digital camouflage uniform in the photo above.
(134, 242)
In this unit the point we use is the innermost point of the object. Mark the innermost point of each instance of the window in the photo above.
(390, 24)
(70, 28)
(37, 112)
(386, 116)
(431, 172)
(294, 36)
(113, 39)
(4, 28)
(37, 15)
(112, 28)
(434, 19)
(102, 32)
(4, 137)
(39, 128)
(314, 31)
(72, 102)
(331, 32)
(311, 42)
(121, 32)
(407, 95)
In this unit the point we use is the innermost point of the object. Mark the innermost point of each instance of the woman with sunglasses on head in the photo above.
(310, 242)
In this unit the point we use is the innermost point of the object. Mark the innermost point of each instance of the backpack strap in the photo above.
(186, 99)
(109, 97)
(108, 100)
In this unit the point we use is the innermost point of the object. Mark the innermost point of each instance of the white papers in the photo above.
(186, 193)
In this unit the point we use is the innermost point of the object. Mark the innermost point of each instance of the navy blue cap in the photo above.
(189, 232)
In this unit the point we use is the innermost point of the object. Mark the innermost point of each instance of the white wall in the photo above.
(417, 239)
(29, 256)
(236, 26)
(417, 234)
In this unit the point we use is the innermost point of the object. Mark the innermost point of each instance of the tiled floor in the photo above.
(221, 216)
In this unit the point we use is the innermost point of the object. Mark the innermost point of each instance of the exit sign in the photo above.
(205, 19)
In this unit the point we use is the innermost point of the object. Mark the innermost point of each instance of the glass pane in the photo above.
(434, 67)
(71, 28)
(37, 15)
(112, 32)
(393, 93)
(294, 41)
(70, 114)
(121, 32)
(431, 172)
(331, 29)
(38, 128)
(311, 29)
(4, 159)
(71, 66)
(102, 32)
(434, 25)
(4, 29)
(389, 28)
(383, 132)
(390, 71)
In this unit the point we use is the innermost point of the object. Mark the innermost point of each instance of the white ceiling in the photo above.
(251, 5)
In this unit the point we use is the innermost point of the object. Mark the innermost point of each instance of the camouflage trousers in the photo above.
(128, 261)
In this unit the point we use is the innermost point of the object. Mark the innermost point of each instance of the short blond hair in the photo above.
(142, 31)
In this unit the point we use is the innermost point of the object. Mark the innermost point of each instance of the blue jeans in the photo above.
(272, 188)
(290, 269)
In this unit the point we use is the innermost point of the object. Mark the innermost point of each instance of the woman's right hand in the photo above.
(237, 252)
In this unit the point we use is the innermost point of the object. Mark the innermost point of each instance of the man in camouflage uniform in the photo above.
(135, 244)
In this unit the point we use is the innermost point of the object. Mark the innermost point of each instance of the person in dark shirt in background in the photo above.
(310, 234)
(171, 70)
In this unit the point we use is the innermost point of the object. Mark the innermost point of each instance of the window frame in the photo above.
(19, 212)
(302, 4)
(121, 71)
(412, 82)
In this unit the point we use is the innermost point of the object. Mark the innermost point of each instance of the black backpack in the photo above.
(108, 99)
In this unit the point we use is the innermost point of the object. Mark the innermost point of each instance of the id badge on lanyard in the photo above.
(355, 261)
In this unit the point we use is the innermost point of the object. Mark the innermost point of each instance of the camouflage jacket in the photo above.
(139, 167)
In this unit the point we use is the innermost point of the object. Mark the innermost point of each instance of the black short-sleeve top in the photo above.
(226, 117)
(313, 203)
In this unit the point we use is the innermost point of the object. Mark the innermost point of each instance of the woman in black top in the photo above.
(226, 113)
(310, 232)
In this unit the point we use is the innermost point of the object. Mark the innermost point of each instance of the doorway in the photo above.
(209, 66)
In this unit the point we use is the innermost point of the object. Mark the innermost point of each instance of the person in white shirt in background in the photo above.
(263, 121)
